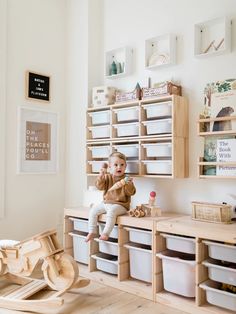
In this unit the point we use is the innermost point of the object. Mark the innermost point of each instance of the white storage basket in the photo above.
(108, 247)
(158, 149)
(132, 166)
(114, 232)
(139, 236)
(156, 110)
(220, 273)
(130, 150)
(218, 297)
(96, 165)
(127, 129)
(221, 251)
(100, 117)
(80, 247)
(178, 273)
(106, 263)
(158, 126)
(158, 166)
(102, 131)
(100, 151)
(180, 244)
(127, 114)
(140, 260)
(80, 224)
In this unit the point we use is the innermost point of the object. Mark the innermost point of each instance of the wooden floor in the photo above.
(99, 299)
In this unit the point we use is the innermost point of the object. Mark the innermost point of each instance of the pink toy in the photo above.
(152, 198)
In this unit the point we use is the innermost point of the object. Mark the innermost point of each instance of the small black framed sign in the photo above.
(37, 86)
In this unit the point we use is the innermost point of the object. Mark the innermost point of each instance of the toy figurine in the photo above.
(152, 198)
(119, 184)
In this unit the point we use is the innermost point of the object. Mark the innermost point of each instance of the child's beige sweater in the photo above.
(120, 196)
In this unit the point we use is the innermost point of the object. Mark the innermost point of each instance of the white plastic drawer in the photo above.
(80, 247)
(158, 166)
(157, 110)
(139, 235)
(180, 244)
(221, 273)
(127, 114)
(219, 297)
(140, 259)
(158, 149)
(108, 247)
(130, 150)
(222, 252)
(80, 224)
(127, 129)
(100, 117)
(158, 126)
(114, 232)
(132, 166)
(100, 151)
(106, 263)
(101, 131)
(96, 165)
(178, 273)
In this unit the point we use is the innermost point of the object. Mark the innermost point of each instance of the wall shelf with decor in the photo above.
(118, 62)
(212, 37)
(160, 51)
(152, 133)
(219, 159)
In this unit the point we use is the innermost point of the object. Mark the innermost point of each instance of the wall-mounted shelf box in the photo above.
(160, 51)
(123, 56)
(212, 37)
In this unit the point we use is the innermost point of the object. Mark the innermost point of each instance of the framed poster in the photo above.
(37, 86)
(37, 141)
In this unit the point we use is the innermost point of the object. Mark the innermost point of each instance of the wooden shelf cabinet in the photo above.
(171, 224)
(152, 133)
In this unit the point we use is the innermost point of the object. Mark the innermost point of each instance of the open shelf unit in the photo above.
(212, 37)
(160, 51)
(204, 130)
(122, 58)
(175, 225)
(152, 133)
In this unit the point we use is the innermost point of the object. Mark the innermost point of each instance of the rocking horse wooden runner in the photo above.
(59, 269)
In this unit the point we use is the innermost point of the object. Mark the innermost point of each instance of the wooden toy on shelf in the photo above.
(138, 212)
(59, 269)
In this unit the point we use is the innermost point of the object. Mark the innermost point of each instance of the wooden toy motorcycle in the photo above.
(59, 269)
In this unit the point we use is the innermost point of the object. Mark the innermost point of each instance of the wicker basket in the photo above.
(210, 212)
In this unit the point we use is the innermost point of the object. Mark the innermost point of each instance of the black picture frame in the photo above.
(37, 86)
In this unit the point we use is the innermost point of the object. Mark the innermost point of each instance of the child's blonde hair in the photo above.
(117, 154)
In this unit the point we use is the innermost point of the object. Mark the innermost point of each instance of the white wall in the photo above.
(130, 22)
(35, 41)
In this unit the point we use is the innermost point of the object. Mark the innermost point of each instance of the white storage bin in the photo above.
(106, 263)
(113, 234)
(127, 114)
(132, 167)
(156, 110)
(158, 126)
(180, 244)
(80, 247)
(178, 273)
(221, 273)
(140, 262)
(100, 117)
(100, 151)
(222, 252)
(96, 165)
(158, 149)
(139, 236)
(130, 150)
(108, 247)
(127, 129)
(219, 297)
(101, 131)
(158, 166)
(80, 224)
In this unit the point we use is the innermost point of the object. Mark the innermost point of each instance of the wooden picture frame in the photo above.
(37, 86)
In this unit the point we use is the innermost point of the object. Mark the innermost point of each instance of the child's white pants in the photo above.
(112, 211)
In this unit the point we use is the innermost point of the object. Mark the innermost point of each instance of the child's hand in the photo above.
(103, 170)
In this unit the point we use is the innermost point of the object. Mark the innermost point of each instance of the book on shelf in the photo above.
(220, 101)
(226, 152)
